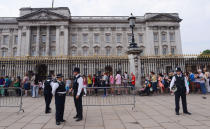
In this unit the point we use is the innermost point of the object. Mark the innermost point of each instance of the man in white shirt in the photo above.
(78, 93)
(182, 90)
(59, 91)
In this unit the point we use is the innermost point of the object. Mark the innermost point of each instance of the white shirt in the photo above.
(54, 86)
(185, 81)
(80, 86)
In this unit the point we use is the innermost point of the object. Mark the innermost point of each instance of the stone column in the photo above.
(19, 41)
(135, 64)
(178, 40)
(27, 43)
(66, 40)
(57, 40)
(48, 41)
(37, 40)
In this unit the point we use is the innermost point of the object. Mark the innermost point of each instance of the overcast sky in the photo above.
(195, 27)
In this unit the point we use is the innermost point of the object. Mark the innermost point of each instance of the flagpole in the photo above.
(52, 3)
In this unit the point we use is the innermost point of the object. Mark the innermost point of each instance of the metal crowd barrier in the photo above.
(115, 96)
(11, 97)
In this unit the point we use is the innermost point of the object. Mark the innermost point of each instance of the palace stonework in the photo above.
(54, 32)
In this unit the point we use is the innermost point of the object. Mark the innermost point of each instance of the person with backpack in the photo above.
(182, 89)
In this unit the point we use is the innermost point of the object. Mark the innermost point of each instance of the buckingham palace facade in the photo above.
(54, 32)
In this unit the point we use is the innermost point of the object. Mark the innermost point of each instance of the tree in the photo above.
(206, 52)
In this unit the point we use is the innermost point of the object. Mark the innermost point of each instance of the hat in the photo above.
(76, 69)
(59, 75)
(178, 69)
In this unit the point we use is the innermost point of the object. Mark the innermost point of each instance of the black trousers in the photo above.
(184, 101)
(78, 105)
(59, 106)
(48, 98)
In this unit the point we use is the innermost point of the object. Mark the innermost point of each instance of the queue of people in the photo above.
(160, 83)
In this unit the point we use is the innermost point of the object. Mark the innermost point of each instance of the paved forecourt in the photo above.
(153, 112)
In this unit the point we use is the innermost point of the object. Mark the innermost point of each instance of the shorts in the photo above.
(67, 88)
(26, 86)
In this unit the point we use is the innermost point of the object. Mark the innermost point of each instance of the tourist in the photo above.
(154, 82)
(192, 81)
(125, 82)
(68, 83)
(111, 82)
(118, 82)
(89, 81)
(48, 94)
(32, 85)
(207, 77)
(35, 90)
(105, 83)
(17, 85)
(166, 83)
(6, 85)
(202, 83)
(26, 84)
(85, 84)
(160, 83)
(2, 82)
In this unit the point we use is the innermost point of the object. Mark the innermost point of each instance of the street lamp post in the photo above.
(132, 21)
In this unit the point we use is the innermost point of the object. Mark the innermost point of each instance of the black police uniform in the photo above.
(47, 94)
(60, 101)
(181, 92)
(77, 102)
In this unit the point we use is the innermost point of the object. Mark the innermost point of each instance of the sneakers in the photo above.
(187, 113)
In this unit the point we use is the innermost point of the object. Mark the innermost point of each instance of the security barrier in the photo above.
(115, 96)
(11, 97)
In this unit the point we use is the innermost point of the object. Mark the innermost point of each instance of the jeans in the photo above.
(35, 91)
(203, 88)
(154, 86)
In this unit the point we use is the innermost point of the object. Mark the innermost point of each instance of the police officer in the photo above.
(180, 81)
(59, 91)
(78, 93)
(48, 94)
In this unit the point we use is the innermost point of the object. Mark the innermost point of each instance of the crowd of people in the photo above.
(111, 84)
(199, 82)
(152, 84)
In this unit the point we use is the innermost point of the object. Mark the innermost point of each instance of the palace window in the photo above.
(33, 38)
(119, 51)
(5, 39)
(156, 51)
(42, 51)
(14, 51)
(108, 39)
(52, 38)
(129, 38)
(96, 50)
(85, 51)
(165, 50)
(163, 37)
(73, 38)
(4, 52)
(172, 37)
(140, 38)
(52, 51)
(43, 38)
(173, 49)
(16, 40)
(119, 38)
(155, 37)
(33, 51)
(85, 38)
(96, 38)
(108, 51)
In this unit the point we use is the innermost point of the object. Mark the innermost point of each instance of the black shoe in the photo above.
(79, 119)
(58, 123)
(177, 113)
(63, 120)
(47, 112)
(187, 113)
(75, 117)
